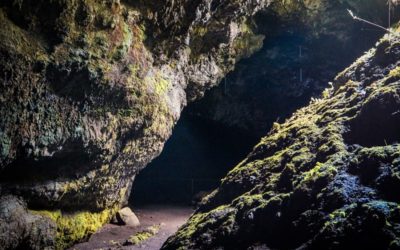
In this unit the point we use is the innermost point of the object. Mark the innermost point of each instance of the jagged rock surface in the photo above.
(91, 89)
(303, 51)
(327, 178)
(20, 228)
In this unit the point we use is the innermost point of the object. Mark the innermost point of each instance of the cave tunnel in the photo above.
(216, 132)
(194, 160)
(289, 116)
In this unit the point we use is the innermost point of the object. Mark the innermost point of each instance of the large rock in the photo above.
(126, 217)
(19, 228)
(327, 178)
(90, 91)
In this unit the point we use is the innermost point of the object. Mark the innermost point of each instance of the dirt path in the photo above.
(112, 237)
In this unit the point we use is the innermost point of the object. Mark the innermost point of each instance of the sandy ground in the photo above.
(113, 237)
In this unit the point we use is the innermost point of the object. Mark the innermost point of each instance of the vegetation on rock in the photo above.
(144, 235)
(327, 178)
(72, 228)
(91, 90)
(307, 43)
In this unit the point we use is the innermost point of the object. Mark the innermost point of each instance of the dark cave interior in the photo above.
(198, 154)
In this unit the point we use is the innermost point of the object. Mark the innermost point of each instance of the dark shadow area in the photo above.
(377, 123)
(194, 159)
(72, 161)
(294, 65)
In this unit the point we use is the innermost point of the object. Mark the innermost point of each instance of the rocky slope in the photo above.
(327, 178)
(90, 91)
(298, 59)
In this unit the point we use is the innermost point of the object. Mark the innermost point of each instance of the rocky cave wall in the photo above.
(90, 93)
(91, 90)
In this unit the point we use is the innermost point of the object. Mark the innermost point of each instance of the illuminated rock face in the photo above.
(91, 89)
(327, 178)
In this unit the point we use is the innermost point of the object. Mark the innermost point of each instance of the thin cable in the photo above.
(371, 23)
(389, 21)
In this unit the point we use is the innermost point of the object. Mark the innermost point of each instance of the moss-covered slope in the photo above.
(279, 79)
(327, 178)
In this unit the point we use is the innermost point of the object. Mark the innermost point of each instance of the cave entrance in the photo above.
(198, 154)
(293, 65)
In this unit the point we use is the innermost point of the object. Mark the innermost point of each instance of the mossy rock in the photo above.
(75, 227)
(324, 178)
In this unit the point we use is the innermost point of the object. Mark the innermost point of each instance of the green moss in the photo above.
(337, 217)
(337, 214)
(72, 228)
(223, 215)
(248, 201)
(199, 31)
(144, 235)
(161, 85)
(395, 73)
(318, 172)
(383, 153)
(247, 42)
(122, 49)
(190, 228)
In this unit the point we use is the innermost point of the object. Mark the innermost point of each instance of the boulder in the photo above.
(93, 91)
(22, 229)
(126, 217)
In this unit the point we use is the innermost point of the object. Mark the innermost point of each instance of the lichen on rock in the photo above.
(142, 236)
(326, 178)
(307, 43)
(76, 226)
(91, 90)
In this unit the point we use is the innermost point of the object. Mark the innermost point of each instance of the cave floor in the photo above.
(113, 237)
